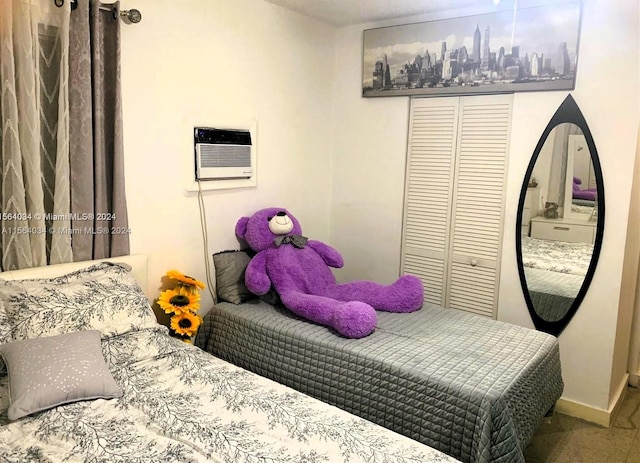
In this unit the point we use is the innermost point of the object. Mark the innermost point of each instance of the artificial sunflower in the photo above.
(179, 300)
(185, 324)
(184, 280)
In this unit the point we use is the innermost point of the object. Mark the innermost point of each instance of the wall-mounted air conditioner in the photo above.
(222, 154)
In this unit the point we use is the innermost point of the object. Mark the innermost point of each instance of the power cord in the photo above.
(205, 241)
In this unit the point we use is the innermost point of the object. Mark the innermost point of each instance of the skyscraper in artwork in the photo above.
(486, 53)
(477, 38)
(386, 81)
(563, 66)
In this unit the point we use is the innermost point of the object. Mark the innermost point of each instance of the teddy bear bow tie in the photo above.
(298, 241)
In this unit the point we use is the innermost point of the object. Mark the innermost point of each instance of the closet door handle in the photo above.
(473, 262)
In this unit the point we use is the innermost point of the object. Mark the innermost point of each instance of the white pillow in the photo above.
(103, 297)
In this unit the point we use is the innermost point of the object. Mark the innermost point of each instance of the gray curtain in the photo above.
(98, 200)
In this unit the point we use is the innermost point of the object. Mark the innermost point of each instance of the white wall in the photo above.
(221, 63)
(631, 274)
(369, 167)
(633, 364)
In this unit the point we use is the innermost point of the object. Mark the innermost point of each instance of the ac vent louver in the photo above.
(222, 154)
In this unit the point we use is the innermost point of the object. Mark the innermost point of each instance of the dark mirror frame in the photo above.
(568, 112)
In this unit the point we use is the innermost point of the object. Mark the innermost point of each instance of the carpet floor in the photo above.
(564, 439)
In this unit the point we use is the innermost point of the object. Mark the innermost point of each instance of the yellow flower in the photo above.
(185, 323)
(179, 300)
(185, 280)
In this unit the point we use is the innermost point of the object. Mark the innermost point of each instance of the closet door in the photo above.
(454, 199)
(478, 204)
(428, 193)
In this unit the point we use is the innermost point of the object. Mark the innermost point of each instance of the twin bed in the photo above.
(87, 375)
(469, 386)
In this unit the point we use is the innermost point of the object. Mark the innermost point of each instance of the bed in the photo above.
(555, 272)
(469, 386)
(92, 377)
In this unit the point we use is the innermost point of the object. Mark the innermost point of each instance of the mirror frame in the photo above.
(568, 112)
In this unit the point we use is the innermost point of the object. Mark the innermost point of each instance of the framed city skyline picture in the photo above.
(528, 49)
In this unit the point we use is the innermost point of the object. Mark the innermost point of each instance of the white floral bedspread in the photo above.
(181, 404)
(556, 256)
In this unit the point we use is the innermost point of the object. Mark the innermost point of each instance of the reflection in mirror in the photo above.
(560, 220)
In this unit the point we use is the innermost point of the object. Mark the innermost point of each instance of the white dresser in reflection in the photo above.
(563, 229)
(530, 208)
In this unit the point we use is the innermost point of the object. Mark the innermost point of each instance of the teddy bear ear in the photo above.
(241, 227)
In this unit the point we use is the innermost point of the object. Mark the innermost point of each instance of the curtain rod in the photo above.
(131, 16)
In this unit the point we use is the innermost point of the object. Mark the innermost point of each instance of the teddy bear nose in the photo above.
(281, 214)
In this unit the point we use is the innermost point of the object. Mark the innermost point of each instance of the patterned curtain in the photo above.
(35, 123)
(97, 162)
(62, 184)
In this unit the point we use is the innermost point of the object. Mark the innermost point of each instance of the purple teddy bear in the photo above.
(298, 269)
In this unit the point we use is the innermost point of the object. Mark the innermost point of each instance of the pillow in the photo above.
(56, 370)
(230, 267)
(102, 297)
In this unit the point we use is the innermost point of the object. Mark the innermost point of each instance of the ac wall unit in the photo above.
(222, 154)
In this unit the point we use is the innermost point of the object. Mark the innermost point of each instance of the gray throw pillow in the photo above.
(230, 267)
(51, 371)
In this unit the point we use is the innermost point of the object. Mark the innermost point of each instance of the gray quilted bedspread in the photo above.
(472, 387)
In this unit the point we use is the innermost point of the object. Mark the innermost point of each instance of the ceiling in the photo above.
(347, 12)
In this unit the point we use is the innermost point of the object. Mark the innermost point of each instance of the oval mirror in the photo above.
(560, 220)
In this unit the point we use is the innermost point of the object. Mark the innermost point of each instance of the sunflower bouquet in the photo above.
(182, 302)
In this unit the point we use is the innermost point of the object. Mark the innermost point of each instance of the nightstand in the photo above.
(563, 229)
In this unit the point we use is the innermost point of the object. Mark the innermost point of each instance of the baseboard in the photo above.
(634, 380)
(593, 415)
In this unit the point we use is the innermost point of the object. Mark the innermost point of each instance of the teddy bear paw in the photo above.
(409, 294)
(355, 319)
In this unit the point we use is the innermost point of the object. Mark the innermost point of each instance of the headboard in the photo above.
(138, 263)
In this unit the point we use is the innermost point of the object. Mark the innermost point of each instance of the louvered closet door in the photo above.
(428, 193)
(478, 203)
(454, 198)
